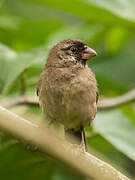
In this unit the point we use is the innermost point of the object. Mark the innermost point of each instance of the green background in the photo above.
(28, 29)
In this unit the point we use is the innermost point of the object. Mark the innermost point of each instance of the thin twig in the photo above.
(48, 142)
(115, 102)
(102, 104)
(23, 84)
(22, 100)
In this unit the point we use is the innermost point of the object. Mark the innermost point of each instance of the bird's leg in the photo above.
(50, 123)
(80, 135)
(83, 144)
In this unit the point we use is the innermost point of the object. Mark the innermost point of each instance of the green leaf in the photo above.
(119, 69)
(117, 38)
(43, 13)
(17, 162)
(13, 64)
(99, 11)
(106, 151)
(85, 32)
(125, 9)
(117, 127)
(33, 34)
(9, 22)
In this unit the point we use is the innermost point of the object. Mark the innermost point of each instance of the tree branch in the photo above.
(22, 100)
(115, 102)
(102, 104)
(23, 83)
(48, 142)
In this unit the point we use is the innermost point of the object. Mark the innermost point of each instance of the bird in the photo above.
(67, 88)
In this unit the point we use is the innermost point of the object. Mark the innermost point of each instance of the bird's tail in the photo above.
(79, 134)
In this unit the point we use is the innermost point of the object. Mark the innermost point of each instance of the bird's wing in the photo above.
(97, 96)
(40, 83)
(37, 91)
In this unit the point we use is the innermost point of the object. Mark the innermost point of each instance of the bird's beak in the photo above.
(88, 53)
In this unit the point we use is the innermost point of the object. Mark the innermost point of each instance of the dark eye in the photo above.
(74, 49)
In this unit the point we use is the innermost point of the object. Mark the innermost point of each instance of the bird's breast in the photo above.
(69, 97)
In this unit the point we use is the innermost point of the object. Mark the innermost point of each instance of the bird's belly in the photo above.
(73, 105)
(79, 109)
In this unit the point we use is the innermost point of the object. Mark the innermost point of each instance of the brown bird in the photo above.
(67, 87)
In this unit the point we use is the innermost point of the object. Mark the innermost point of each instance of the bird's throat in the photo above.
(84, 62)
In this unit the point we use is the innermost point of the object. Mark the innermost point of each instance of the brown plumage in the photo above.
(67, 87)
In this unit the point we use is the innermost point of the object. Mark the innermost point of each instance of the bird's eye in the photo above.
(73, 49)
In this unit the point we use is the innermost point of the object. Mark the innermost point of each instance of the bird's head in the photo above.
(69, 52)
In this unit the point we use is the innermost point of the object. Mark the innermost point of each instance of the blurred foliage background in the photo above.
(28, 29)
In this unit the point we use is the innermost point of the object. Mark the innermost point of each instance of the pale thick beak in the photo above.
(88, 53)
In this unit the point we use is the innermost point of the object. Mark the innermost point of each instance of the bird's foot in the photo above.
(31, 147)
(80, 147)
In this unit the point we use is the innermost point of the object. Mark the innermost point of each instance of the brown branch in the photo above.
(48, 142)
(22, 100)
(118, 101)
(102, 104)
